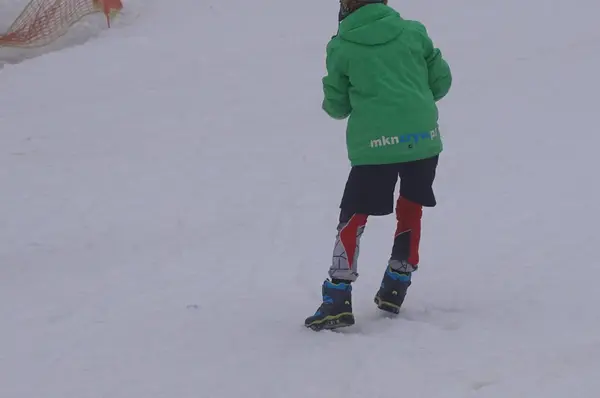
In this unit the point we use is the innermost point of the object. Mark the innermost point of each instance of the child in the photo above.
(386, 75)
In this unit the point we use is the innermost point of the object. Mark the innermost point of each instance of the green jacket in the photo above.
(385, 73)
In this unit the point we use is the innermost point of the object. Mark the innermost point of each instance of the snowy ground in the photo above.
(170, 193)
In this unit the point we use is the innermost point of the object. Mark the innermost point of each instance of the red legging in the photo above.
(408, 231)
(349, 237)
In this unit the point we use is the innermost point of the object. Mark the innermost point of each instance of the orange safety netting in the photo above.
(43, 21)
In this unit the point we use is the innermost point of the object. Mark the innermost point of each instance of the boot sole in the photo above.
(387, 306)
(332, 322)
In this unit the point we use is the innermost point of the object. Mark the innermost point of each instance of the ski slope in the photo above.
(170, 190)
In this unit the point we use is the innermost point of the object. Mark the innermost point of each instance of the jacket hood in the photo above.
(371, 25)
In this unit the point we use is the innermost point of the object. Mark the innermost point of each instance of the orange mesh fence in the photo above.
(43, 21)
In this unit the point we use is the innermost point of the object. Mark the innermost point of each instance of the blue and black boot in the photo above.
(336, 309)
(392, 292)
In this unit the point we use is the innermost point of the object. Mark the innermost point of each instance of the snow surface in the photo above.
(169, 201)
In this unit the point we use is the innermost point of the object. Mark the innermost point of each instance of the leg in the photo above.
(347, 246)
(415, 192)
(404, 259)
(405, 252)
(369, 191)
(336, 309)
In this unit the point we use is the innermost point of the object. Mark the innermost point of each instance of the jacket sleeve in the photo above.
(440, 76)
(336, 102)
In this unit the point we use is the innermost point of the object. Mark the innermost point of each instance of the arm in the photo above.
(335, 85)
(440, 76)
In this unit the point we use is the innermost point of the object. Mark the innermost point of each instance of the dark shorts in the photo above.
(370, 189)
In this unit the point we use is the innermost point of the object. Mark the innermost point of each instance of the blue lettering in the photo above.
(414, 137)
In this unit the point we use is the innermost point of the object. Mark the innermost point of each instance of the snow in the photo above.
(169, 202)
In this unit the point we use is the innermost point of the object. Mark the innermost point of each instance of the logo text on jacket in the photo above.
(404, 138)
